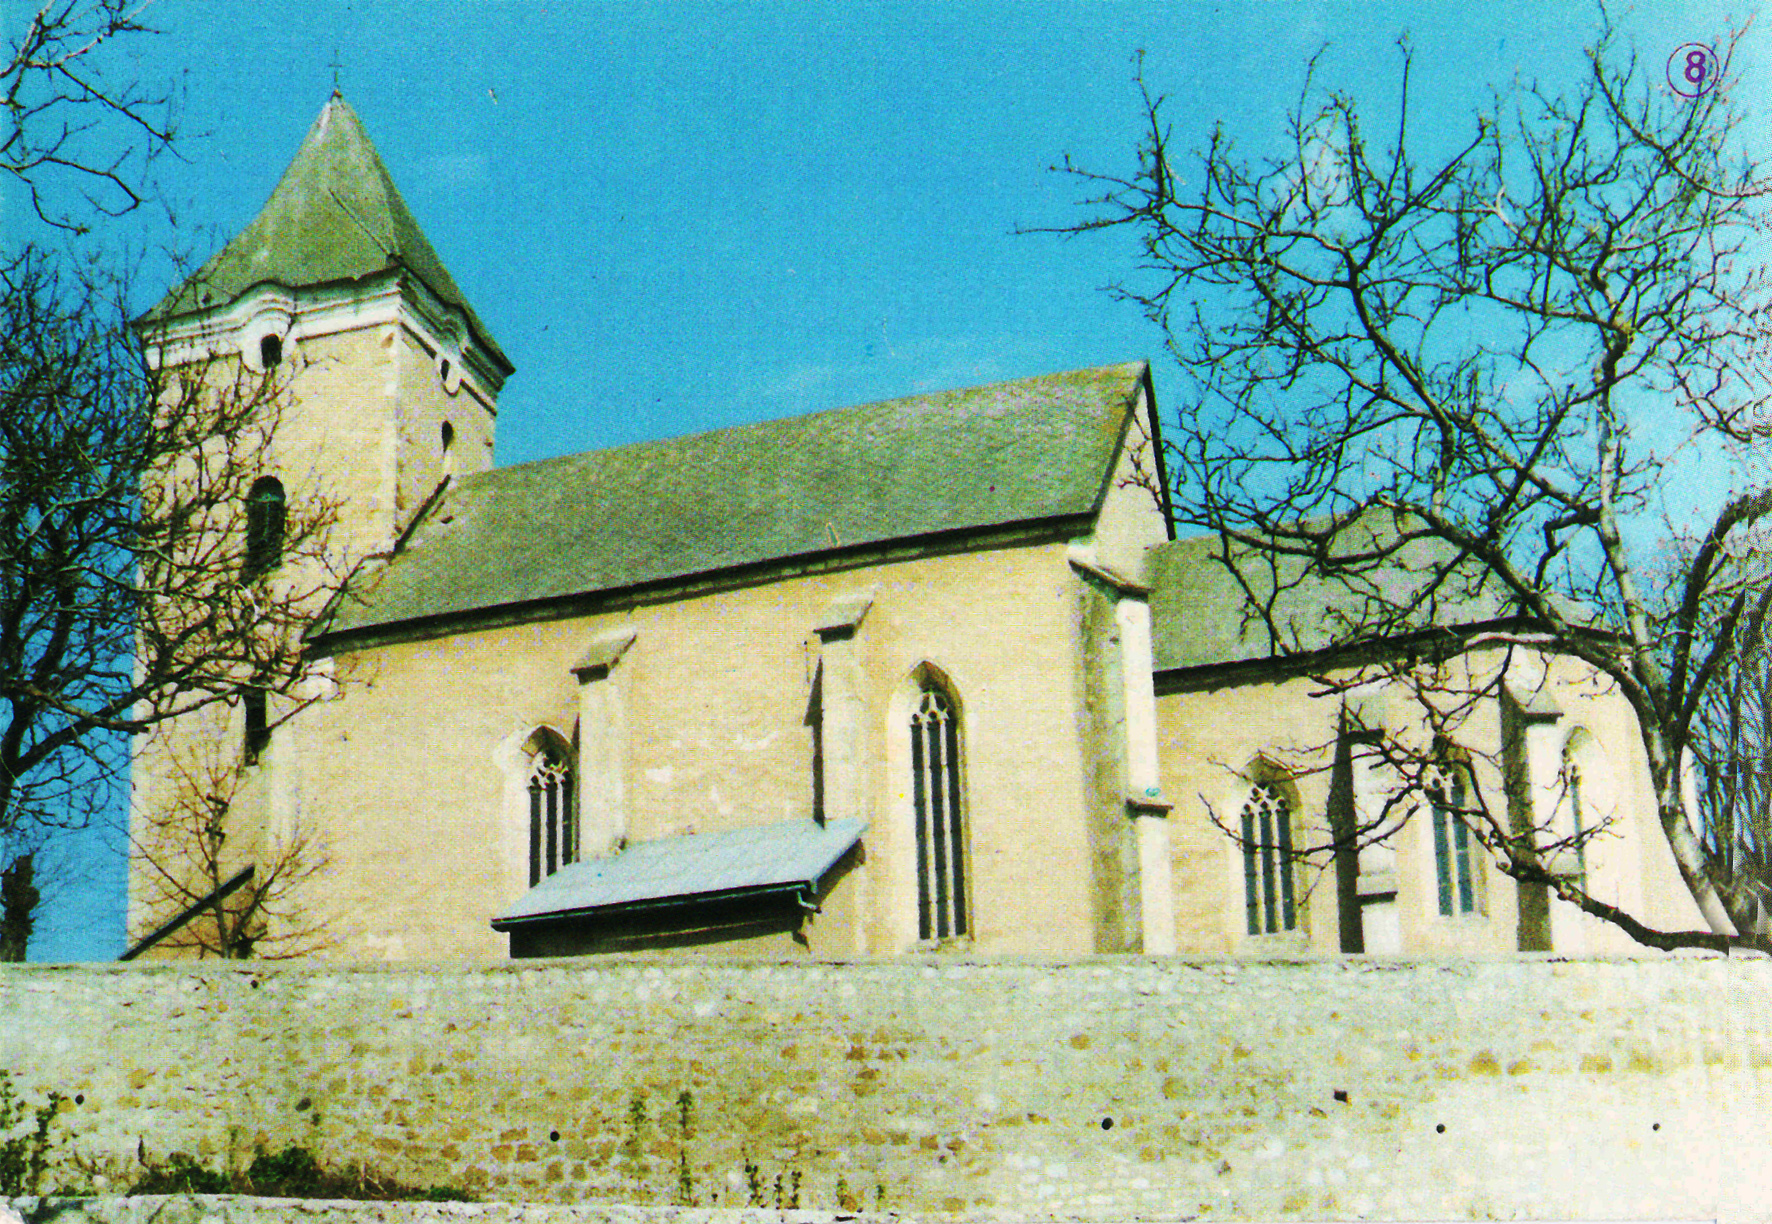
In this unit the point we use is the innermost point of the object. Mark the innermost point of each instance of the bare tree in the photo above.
(72, 127)
(136, 584)
(133, 589)
(79, 144)
(40, 870)
(217, 886)
(18, 905)
(1731, 741)
(1425, 382)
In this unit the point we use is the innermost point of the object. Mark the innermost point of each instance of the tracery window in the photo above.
(265, 513)
(935, 791)
(1577, 828)
(553, 836)
(1452, 844)
(1575, 820)
(258, 726)
(815, 723)
(1267, 860)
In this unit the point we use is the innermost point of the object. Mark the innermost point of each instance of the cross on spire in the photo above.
(335, 66)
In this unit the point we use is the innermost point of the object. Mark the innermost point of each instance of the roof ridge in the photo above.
(816, 415)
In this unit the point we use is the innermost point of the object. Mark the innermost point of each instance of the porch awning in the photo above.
(791, 856)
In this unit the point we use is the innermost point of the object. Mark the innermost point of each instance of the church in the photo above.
(925, 676)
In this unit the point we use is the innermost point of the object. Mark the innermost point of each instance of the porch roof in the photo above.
(691, 867)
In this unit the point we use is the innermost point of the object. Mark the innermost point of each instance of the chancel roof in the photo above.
(335, 216)
(690, 867)
(1201, 616)
(1030, 451)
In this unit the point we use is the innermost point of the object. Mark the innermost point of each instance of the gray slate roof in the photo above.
(1015, 452)
(1200, 616)
(694, 865)
(335, 216)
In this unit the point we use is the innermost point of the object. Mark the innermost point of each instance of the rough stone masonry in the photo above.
(1108, 1087)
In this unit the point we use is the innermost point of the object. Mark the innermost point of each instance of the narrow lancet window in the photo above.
(1577, 829)
(1452, 845)
(265, 514)
(815, 723)
(258, 725)
(1267, 861)
(553, 839)
(941, 839)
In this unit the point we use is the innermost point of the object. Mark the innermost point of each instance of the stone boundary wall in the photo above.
(231, 1209)
(1110, 1087)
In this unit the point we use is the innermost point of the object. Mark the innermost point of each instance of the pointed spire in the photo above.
(335, 216)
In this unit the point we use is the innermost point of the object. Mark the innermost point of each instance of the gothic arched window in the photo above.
(1576, 828)
(553, 835)
(941, 838)
(258, 724)
(1581, 767)
(1267, 860)
(1452, 844)
(264, 525)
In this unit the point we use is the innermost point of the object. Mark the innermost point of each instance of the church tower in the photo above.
(385, 384)
(393, 380)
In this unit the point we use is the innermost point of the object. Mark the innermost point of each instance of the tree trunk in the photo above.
(1677, 800)
(18, 907)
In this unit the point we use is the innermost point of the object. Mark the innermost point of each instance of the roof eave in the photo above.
(752, 891)
(158, 317)
(1035, 530)
(1191, 677)
(1157, 449)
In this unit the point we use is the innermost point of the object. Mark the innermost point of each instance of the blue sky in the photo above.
(680, 216)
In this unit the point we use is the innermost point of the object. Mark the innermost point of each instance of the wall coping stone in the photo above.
(1352, 963)
(252, 1209)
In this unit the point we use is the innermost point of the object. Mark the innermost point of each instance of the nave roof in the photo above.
(1032, 451)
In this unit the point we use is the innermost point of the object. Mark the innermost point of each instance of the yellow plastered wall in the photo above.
(364, 429)
(1209, 738)
(170, 771)
(1207, 742)
(403, 771)
(335, 440)
(423, 404)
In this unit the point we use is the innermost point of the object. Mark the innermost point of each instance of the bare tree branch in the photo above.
(72, 129)
(1417, 382)
(129, 594)
(192, 846)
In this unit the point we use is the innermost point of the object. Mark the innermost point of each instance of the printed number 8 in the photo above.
(1697, 63)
